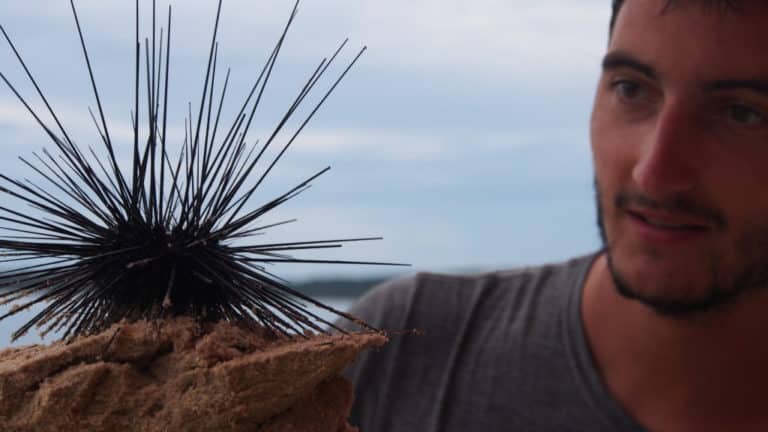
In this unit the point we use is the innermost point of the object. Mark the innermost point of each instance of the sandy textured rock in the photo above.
(179, 375)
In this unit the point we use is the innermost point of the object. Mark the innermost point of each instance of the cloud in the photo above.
(391, 143)
(15, 115)
(481, 39)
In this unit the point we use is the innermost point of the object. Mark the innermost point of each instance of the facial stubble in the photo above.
(725, 285)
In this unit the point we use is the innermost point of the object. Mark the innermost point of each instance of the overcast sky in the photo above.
(461, 136)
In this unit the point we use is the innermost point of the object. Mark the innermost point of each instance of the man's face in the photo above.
(680, 144)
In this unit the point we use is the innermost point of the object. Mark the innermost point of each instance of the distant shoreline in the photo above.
(332, 288)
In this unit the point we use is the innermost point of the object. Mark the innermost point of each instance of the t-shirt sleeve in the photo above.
(384, 307)
(426, 316)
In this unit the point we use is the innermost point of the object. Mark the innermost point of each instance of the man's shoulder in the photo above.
(406, 289)
(409, 300)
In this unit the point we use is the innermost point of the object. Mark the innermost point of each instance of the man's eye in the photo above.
(628, 90)
(744, 115)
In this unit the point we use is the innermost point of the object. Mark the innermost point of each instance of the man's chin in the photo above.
(678, 308)
(668, 298)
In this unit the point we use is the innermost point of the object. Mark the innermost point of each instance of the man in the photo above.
(662, 330)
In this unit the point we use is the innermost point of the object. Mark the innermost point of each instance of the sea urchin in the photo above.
(105, 243)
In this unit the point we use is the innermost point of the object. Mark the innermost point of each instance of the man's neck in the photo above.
(702, 373)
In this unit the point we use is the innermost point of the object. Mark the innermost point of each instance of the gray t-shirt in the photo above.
(503, 351)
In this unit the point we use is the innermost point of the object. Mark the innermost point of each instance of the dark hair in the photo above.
(615, 7)
(722, 4)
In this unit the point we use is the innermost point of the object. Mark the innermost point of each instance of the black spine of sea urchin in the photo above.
(104, 244)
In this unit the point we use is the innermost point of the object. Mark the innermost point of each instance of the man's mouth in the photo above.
(668, 222)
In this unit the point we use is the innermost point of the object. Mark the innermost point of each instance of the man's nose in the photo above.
(666, 163)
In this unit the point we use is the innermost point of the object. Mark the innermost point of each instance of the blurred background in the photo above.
(461, 136)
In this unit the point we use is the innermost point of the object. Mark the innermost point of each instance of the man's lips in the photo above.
(669, 221)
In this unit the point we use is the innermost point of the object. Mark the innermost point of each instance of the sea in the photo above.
(9, 325)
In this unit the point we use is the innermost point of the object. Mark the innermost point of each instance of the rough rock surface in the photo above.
(178, 375)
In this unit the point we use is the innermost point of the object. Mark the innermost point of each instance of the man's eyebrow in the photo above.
(755, 85)
(621, 59)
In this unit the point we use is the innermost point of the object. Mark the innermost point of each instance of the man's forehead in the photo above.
(684, 36)
(740, 20)
(709, 7)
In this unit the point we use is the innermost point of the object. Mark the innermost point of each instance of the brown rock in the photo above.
(179, 375)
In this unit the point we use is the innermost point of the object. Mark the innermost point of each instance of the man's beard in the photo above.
(724, 287)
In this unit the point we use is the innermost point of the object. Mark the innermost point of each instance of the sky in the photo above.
(461, 136)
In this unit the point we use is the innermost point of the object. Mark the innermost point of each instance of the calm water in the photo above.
(8, 325)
